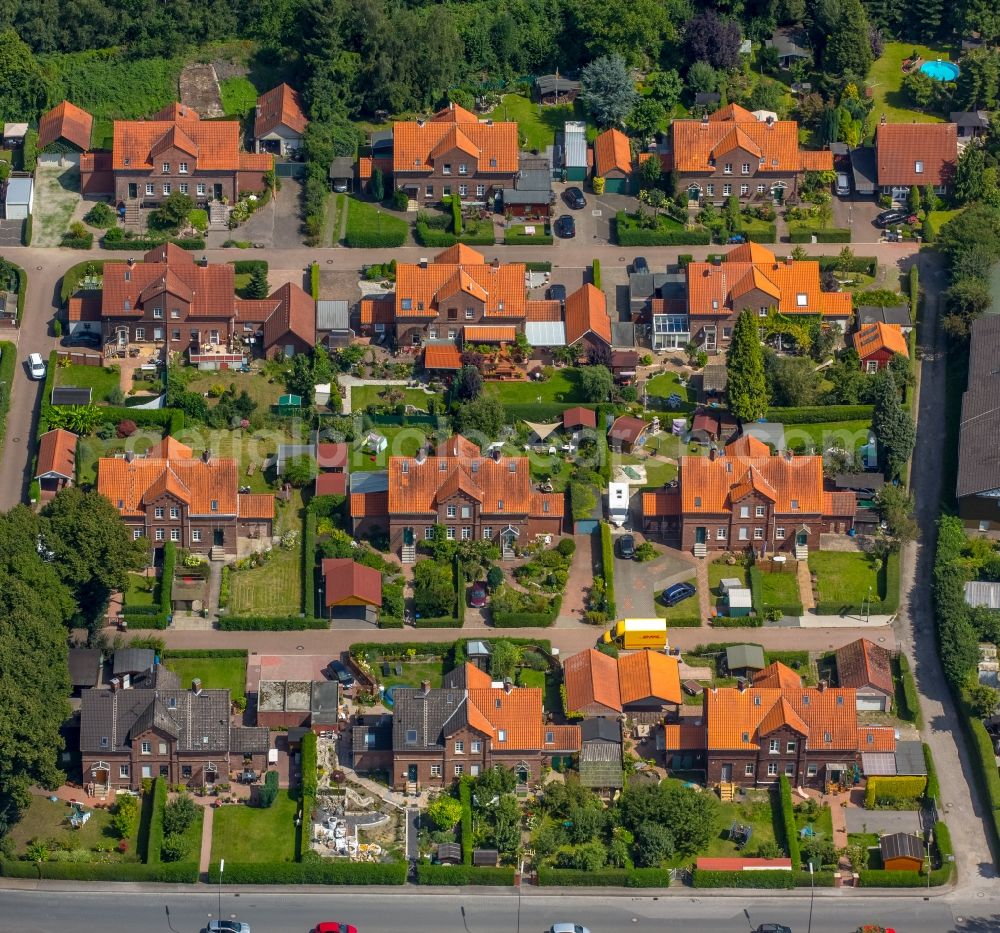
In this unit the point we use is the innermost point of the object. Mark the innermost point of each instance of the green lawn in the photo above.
(214, 673)
(939, 218)
(822, 825)
(662, 386)
(657, 471)
(257, 385)
(779, 589)
(870, 843)
(549, 683)
(365, 218)
(414, 672)
(102, 135)
(403, 441)
(141, 591)
(239, 96)
(340, 205)
(719, 570)
(886, 79)
(684, 612)
(102, 380)
(559, 385)
(757, 812)
(537, 125)
(849, 435)
(844, 578)
(252, 834)
(44, 820)
(275, 589)
(363, 396)
(92, 448)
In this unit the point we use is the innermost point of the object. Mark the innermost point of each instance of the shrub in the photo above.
(742, 879)
(468, 843)
(605, 877)
(154, 839)
(933, 791)
(309, 764)
(628, 233)
(175, 848)
(269, 792)
(608, 567)
(310, 871)
(909, 708)
(820, 414)
(127, 428)
(29, 152)
(126, 815)
(101, 215)
(597, 273)
(429, 873)
(270, 623)
(891, 790)
(788, 821)
(179, 814)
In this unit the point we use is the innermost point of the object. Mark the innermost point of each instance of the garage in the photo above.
(19, 198)
(871, 702)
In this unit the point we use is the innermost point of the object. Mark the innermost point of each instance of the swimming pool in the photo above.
(940, 70)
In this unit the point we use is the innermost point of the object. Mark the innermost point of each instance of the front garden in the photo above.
(642, 228)
(243, 834)
(371, 226)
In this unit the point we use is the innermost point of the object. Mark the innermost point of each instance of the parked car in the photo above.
(82, 338)
(227, 926)
(888, 218)
(626, 547)
(556, 293)
(843, 185)
(568, 928)
(573, 196)
(36, 366)
(640, 266)
(337, 670)
(773, 928)
(477, 595)
(566, 227)
(677, 593)
(331, 926)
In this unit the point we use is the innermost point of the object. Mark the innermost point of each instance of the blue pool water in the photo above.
(388, 697)
(940, 70)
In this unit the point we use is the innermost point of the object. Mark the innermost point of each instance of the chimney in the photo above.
(742, 684)
(789, 454)
(496, 262)
(716, 260)
(822, 686)
(129, 456)
(425, 687)
(507, 685)
(712, 453)
(704, 120)
(882, 120)
(421, 455)
(115, 684)
(131, 261)
(206, 455)
(789, 261)
(496, 454)
(196, 686)
(422, 262)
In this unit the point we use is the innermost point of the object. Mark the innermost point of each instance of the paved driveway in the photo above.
(637, 584)
(857, 213)
(10, 232)
(882, 821)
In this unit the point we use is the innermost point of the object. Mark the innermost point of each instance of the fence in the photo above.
(80, 358)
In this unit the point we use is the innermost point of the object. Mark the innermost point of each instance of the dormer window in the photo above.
(802, 299)
(127, 161)
(215, 505)
(840, 701)
(715, 304)
(918, 167)
(805, 699)
(746, 736)
(442, 466)
(871, 739)
(104, 741)
(172, 703)
(500, 505)
(795, 504)
(502, 735)
(499, 703)
(697, 502)
(166, 168)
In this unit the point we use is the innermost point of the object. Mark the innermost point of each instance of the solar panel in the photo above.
(71, 395)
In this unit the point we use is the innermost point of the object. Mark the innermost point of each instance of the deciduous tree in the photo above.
(595, 383)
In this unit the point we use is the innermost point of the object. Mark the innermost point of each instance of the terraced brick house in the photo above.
(732, 153)
(454, 153)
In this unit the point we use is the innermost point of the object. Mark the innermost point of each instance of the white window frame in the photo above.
(720, 534)
(460, 748)
(480, 191)
(710, 190)
(488, 533)
(790, 747)
(727, 190)
(165, 168)
(745, 168)
(758, 534)
(136, 534)
(450, 533)
(749, 769)
(463, 191)
(175, 512)
(774, 747)
(450, 511)
(140, 333)
(183, 187)
(772, 769)
(744, 534)
(182, 168)
(812, 770)
(466, 533)
(435, 770)
(458, 770)
(759, 511)
(166, 188)
(123, 771)
(779, 533)
(744, 511)
(150, 188)
(158, 512)
(477, 747)
(789, 770)
(727, 168)
(196, 534)
(159, 534)
(761, 189)
(175, 534)
(158, 314)
(744, 190)
(146, 748)
(463, 169)
(201, 188)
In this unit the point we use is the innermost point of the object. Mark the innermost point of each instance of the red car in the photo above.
(477, 595)
(331, 926)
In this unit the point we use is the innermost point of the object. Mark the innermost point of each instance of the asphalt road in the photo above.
(475, 912)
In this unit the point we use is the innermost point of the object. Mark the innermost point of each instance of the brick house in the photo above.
(586, 318)
(437, 300)
(909, 154)
(469, 725)
(193, 307)
(613, 161)
(877, 344)
(184, 736)
(454, 153)
(732, 153)
(751, 276)
(65, 127)
(642, 681)
(474, 496)
(170, 495)
(867, 669)
(752, 736)
(178, 151)
(745, 497)
(280, 122)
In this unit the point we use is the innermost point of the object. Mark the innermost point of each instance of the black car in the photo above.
(566, 227)
(640, 266)
(773, 928)
(573, 196)
(888, 218)
(336, 670)
(556, 293)
(626, 547)
(672, 595)
(83, 338)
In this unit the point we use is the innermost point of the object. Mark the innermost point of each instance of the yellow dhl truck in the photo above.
(638, 633)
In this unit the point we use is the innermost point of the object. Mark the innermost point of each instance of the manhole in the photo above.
(329, 262)
(17, 440)
(300, 648)
(38, 268)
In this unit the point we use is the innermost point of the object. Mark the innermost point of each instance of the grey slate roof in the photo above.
(622, 334)
(372, 734)
(424, 720)
(893, 314)
(895, 845)
(977, 119)
(325, 697)
(707, 98)
(84, 666)
(740, 656)
(910, 757)
(714, 377)
(601, 729)
(864, 168)
(249, 740)
(859, 482)
(789, 43)
(645, 285)
(376, 481)
(333, 315)
(601, 765)
(979, 462)
(198, 722)
(132, 660)
(342, 167)
(550, 84)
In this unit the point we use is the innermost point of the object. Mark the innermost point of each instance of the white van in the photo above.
(843, 184)
(36, 366)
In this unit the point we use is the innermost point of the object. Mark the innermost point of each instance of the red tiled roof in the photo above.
(331, 456)
(367, 163)
(542, 310)
(777, 675)
(255, 162)
(564, 738)
(612, 152)
(295, 314)
(377, 310)
(420, 290)
(684, 737)
(579, 418)
(460, 255)
(587, 313)
(65, 121)
(746, 445)
(876, 337)
(900, 146)
(457, 446)
(493, 145)
(442, 356)
(369, 504)
(331, 484)
(628, 429)
(214, 145)
(476, 333)
(877, 738)
(547, 505)
(83, 308)
(865, 664)
(816, 160)
(792, 286)
(344, 580)
(644, 674)
(254, 310)
(743, 864)
(839, 504)
(281, 106)
(176, 111)
(591, 677)
(697, 144)
(661, 503)
(209, 289)
(256, 505)
(57, 454)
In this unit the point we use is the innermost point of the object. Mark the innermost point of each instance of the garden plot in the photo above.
(57, 193)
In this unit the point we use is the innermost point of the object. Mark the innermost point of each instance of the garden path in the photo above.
(205, 857)
(704, 590)
(585, 564)
(805, 585)
(348, 381)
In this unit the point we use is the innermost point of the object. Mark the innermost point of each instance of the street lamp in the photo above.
(222, 868)
(812, 894)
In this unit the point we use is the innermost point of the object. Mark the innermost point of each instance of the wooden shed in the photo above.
(902, 852)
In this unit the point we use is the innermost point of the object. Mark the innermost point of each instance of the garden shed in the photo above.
(738, 602)
(901, 852)
(575, 151)
(745, 659)
(20, 198)
(449, 853)
(289, 404)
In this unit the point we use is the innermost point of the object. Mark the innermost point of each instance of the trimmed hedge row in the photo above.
(866, 264)
(893, 790)
(521, 239)
(8, 364)
(742, 879)
(608, 568)
(627, 235)
(399, 649)
(270, 623)
(390, 622)
(903, 879)
(909, 709)
(528, 619)
(309, 763)
(203, 653)
(820, 414)
(308, 569)
(165, 873)
(248, 266)
(310, 872)
(914, 283)
(157, 617)
(468, 842)
(933, 791)
(22, 288)
(145, 244)
(829, 235)
(154, 839)
(433, 238)
(606, 877)
(788, 821)
(768, 235)
(429, 873)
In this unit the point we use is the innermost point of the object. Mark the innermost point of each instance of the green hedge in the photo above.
(310, 872)
(866, 264)
(314, 281)
(29, 151)
(8, 364)
(528, 619)
(904, 879)
(22, 288)
(788, 821)
(829, 235)
(894, 790)
(627, 234)
(270, 623)
(309, 764)
(400, 649)
(438, 622)
(542, 266)
(820, 414)
(606, 877)
(154, 840)
(983, 759)
(203, 653)
(69, 241)
(723, 622)
(145, 244)
(171, 420)
(914, 283)
(435, 238)
(908, 703)
(521, 239)
(596, 267)
(468, 840)
(390, 622)
(165, 873)
(608, 568)
(309, 597)
(742, 879)
(933, 786)
(249, 266)
(26, 232)
(429, 873)
(766, 233)
(157, 617)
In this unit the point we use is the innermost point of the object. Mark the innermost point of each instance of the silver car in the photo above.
(228, 926)
(568, 928)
